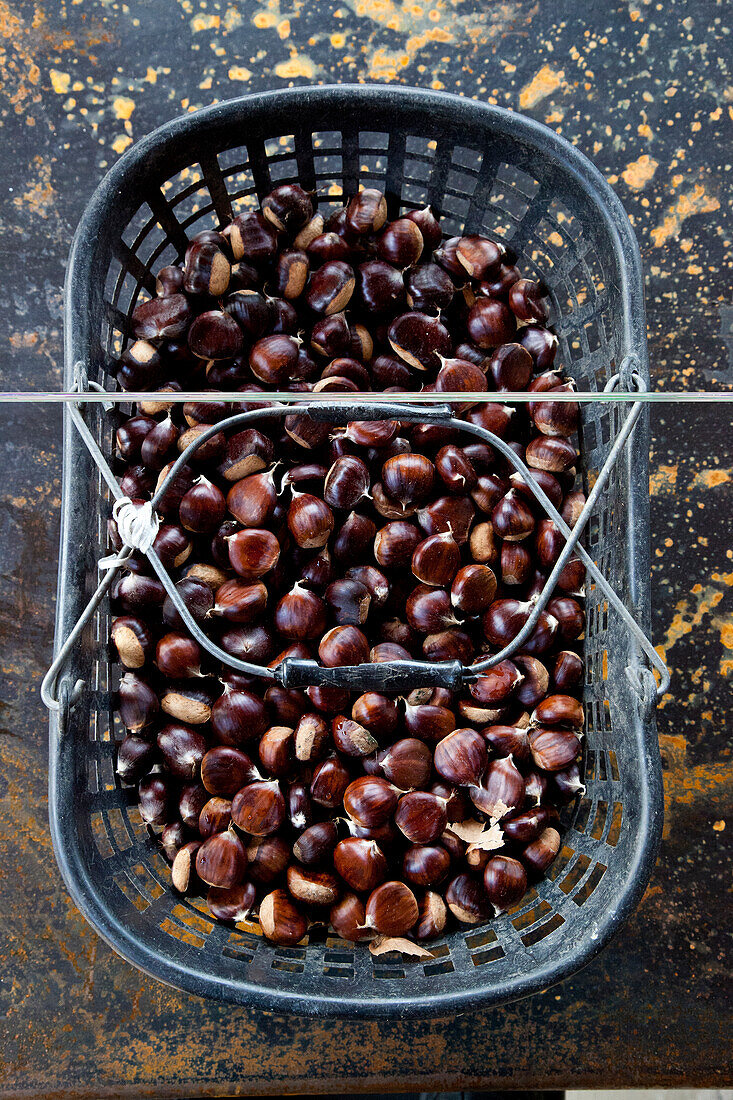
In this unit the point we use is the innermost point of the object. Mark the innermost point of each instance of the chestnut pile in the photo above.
(379, 541)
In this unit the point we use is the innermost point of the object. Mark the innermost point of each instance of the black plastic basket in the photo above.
(493, 172)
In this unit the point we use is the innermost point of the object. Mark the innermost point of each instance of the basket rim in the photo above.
(62, 764)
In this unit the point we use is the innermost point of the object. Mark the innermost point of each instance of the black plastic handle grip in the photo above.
(380, 676)
(342, 413)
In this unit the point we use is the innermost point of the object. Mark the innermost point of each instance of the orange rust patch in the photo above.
(696, 201)
(639, 172)
(542, 85)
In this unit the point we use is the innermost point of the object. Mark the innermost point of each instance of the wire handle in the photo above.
(384, 676)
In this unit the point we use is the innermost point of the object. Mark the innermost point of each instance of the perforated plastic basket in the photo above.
(489, 171)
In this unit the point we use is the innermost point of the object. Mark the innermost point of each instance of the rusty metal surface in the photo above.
(641, 88)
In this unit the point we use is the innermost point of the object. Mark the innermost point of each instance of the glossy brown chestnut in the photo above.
(252, 237)
(222, 860)
(467, 900)
(310, 739)
(161, 318)
(508, 741)
(449, 645)
(428, 721)
(461, 758)
(300, 614)
(478, 255)
(366, 211)
(259, 808)
(312, 887)
(348, 919)
(183, 871)
(310, 520)
(429, 610)
(274, 359)
(436, 559)
(473, 589)
(376, 712)
(280, 920)
(137, 702)
(380, 288)
(214, 817)
(361, 863)
(247, 452)
(552, 453)
(567, 672)
(453, 514)
(490, 323)
(267, 858)
(233, 903)
(316, 844)
(429, 287)
(346, 483)
(343, 645)
(237, 716)
(559, 710)
(426, 865)
(505, 882)
(392, 909)
(133, 641)
(553, 749)
(400, 243)
(541, 345)
(288, 207)
(407, 763)
(501, 789)
(539, 854)
(253, 552)
(330, 287)
(370, 801)
(503, 620)
(526, 301)
(330, 781)
(419, 339)
(135, 758)
(496, 685)
(178, 656)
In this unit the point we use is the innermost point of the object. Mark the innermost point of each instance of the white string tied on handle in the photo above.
(137, 524)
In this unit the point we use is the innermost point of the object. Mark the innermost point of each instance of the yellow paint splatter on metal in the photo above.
(542, 85)
(205, 21)
(59, 81)
(263, 19)
(663, 480)
(638, 173)
(121, 143)
(239, 72)
(296, 65)
(123, 107)
(710, 479)
(695, 201)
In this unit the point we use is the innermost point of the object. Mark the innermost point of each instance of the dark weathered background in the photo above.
(643, 88)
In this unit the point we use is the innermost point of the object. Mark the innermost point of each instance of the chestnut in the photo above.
(135, 758)
(316, 844)
(233, 903)
(202, 507)
(330, 287)
(366, 211)
(467, 900)
(132, 640)
(248, 642)
(436, 559)
(274, 359)
(329, 246)
(169, 280)
(499, 281)
(252, 237)
(247, 452)
(178, 656)
(455, 470)
(478, 255)
(172, 838)
(419, 339)
(539, 853)
(527, 824)
(252, 500)
(251, 312)
(536, 787)
(300, 614)
(380, 288)
(130, 436)
(426, 865)
(288, 207)
(392, 909)
(400, 243)
(137, 702)
(352, 739)
(215, 335)
(161, 318)
(343, 645)
(449, 645)
(182, 749)
(508, 741)
(348, 918)
(183, 871)
(259, 808)
(552, 453)
(428, 224)
(377, 713)
(370, 801)
(280, 920)
(310, 520)
(505, 882)
(473, 589)
(511, 367)
(328, 700)
(428, 722)
(567, 672)
(503, 620)
(490, 323)
(224, 769)
(191, 801)
(215, 816)
(408, 477)
(494, 686)
(460, 376)
(253, 552)
(312, 887)
(237, 716)
(421, 816)
(361, 863)
(541, 345)
(461, 758)
(429, 609)
(330, 782)
(501, 789)
(432, 916)
(349, 602)
(346, 482)
(454, 514)
(267, 858)
(407, 764)
(526, 301)
(512, 519)
(158, 443)
(553, 749)
(428, 287)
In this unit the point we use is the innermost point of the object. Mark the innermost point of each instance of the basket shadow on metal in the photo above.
(486, 170)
